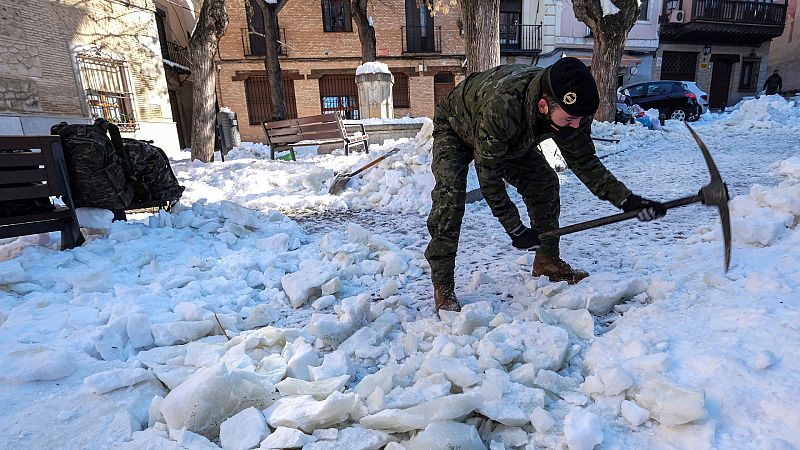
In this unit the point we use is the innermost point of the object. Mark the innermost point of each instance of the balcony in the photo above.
(724, 21)
(524, 40)
(254, 43)
(421, 39)
(176, 57)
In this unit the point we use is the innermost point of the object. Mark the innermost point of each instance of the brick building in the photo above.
(73, 60)
(320, 52)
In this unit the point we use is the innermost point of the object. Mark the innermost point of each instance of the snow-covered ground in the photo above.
(264, 312)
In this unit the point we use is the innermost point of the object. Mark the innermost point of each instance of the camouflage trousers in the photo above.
(530, 174)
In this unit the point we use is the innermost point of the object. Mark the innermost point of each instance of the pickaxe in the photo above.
(715, 194)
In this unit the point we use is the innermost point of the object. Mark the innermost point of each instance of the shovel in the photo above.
(714, 194)
(340, 182)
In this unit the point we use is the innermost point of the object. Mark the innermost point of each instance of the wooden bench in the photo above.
(313, 130)
(37, 171)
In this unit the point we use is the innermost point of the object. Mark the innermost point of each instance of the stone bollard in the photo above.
(375, 95)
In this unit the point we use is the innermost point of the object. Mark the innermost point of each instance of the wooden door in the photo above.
(720, 84)
(443, 83)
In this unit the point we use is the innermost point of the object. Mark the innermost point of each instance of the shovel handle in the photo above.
(613, 219)
(374, 161)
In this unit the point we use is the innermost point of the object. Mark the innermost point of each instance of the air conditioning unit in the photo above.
(676, 16)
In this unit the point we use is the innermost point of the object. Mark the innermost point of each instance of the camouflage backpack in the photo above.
(100, 173)
(152, 170)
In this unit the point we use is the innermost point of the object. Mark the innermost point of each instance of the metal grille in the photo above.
(339, 93)
(256, 90)
(401, 94)
(105, 86)
(749, 75)
(678, 66)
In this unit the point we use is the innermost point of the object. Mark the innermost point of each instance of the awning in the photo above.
(627, 60)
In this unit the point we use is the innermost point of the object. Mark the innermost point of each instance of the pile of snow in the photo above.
(767, 111)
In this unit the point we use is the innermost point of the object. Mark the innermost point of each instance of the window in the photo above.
(256, 90)
(339, 93)
(336, 16)
(401, 94)
(749, 76)
(643, 14)
(256, 29)
(106, 88)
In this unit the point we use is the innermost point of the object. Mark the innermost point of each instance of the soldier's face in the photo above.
(558, 116)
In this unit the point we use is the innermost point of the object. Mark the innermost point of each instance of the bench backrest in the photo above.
(31, 174)
(311, 128)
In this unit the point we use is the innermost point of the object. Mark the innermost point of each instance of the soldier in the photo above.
(497, 118)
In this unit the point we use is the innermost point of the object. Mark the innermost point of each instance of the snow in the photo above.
(608, 7)
(263, 312)
(372, 67)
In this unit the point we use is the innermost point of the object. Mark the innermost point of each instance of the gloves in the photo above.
(524, 238)
(649, 209)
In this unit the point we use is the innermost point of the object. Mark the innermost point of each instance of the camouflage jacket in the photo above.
(495, 113)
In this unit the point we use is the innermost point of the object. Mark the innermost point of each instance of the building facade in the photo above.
(784, 51)
(571, 37)
(74, 60)
(723, 45)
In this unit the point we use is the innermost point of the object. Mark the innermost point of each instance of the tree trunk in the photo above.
(481, 34)
(211, 25)
(272, 33)
(610, 33)
(366, 32)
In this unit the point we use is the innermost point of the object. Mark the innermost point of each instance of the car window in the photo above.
(637, 90)
(658, 89)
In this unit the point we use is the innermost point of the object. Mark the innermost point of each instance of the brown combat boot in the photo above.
(556, 269)
(444, 295)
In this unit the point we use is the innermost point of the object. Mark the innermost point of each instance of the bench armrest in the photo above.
(360, 125)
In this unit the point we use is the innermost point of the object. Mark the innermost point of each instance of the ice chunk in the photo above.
(187, 439)
(244, 430)
(578, 321)
(211, 395)
(260, 315)
(307, 281)
(424, 389)
(299, 356)
(273, 367)
(331, 287)
(472, 316)
(394, 263)
(111, 380)
(507, 402)
(383, 378)
(239, 215)
(542, 345)
(352, 438)
(669, 403)
(446, 434)
(599, 293)
(615, 380)
(541, 420)
(763, 360)
(284, 437)
(308, 414)
(274, 245)
(509, 436)
(456, 370)
(320, 390)
(111, 340)
(180, 332)
(324, 301)
(33, 363)
(583, 430)
(418, 417)
(389, 289)
(334, 364)
(554, 382)
(633, 413)
(94, 218)
(139, 331)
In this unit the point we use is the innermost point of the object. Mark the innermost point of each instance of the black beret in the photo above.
(573, 87)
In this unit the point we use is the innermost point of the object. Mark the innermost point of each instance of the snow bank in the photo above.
(372, 67)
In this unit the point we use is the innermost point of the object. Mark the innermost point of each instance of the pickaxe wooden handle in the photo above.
(715, 194)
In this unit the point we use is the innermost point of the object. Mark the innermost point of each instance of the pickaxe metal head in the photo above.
(715, 194)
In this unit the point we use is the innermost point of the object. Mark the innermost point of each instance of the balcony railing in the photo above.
(178, 54)
(520, 38)
(739, 11)
(421, 39)
(254, 42)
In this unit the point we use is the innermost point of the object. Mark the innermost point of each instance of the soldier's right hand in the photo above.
(524, 238)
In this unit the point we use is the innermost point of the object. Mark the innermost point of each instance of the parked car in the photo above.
(702, 96)
(670, 98)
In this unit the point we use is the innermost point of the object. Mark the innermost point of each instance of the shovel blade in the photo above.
(339, 183)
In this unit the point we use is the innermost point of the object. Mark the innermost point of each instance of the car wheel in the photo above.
(678, 114)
